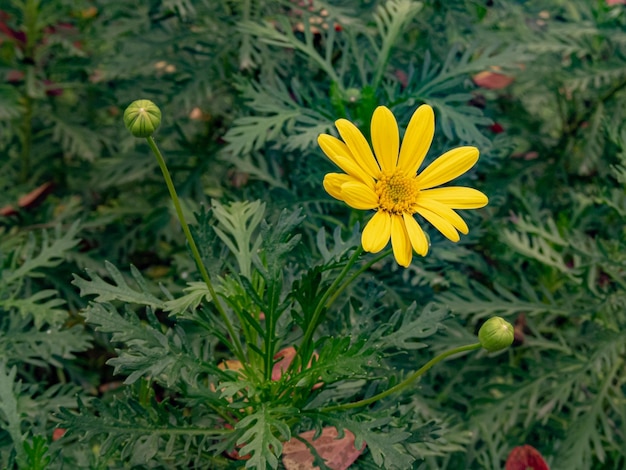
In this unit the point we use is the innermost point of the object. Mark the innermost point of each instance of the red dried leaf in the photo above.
(88, 13)
(51, 90)
(7, 211)
(402, 77)
(15, 35)
(338, 454)
(286, 357)
(492, 80)
(110, 386)
(496, 128)
(14, 76)
(197, 114)
(58, 433)
(35, 197)
(524, 458)
(518, 329)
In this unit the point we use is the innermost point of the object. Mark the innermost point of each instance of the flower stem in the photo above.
(194, 249)
(406, 382)
(27, 137)
(31, 14)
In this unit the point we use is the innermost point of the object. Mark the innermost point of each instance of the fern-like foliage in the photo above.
(165, 435)
(245, 89)
(11, 421)
(384, 444)
(261, 436)
(38, 254)
(120, 290)
(166, 357)
(34, 341)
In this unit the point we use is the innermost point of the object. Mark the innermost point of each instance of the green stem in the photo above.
(310, 329)
(27, 137)
(194, 249)
(30, 13)
(269, 341)
(406, 382)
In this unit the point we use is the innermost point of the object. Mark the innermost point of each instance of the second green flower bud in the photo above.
(496, 334)
(142, 117)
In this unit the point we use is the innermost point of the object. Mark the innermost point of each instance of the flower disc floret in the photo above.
(397, 194)
(387, 181)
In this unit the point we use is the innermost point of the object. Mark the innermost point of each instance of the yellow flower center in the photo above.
(397, 193)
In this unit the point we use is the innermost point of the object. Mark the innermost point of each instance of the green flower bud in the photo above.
(352, 95)
(142, 118)
(496, 334)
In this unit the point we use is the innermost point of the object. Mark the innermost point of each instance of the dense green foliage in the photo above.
(109, 332)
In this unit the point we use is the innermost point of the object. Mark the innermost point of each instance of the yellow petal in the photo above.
(333, 182)
(447, 167)
(417, 237)
(377, 232)
(417, 139)
(400, 242)
(334, 147)
(358, 146)
(456, 197)
(354, 170)
(444, 211)
(441, 224)
(358, 195)
(385, 138)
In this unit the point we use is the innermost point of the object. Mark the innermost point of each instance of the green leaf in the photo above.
(10, 107)
(259, 167)
(211, 251)
(278, 240)
(151, 350)
(279, 120)
(340, 248)
(280, 33)
(195, 294)
(238, 223)
(406, 329)
(76, 140)
(384, 445)
(341, 358)
(482, 302)
(10, 416)
(460, 121)
(274, 109)
(37, 456)
(41, 306)
(391, 18)
(262, 434)
(250, 133)
(138, 432)
(50, 253)
(441, 86)
(20, 342)
(127, 170)
(585, 441)
(119, 290)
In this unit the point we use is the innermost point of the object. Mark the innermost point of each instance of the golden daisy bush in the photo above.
(387, 181)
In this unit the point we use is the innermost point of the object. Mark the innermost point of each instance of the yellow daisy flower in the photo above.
(389, 183)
